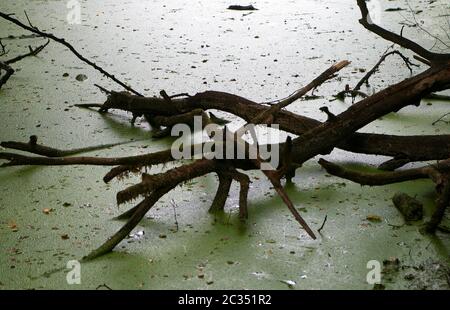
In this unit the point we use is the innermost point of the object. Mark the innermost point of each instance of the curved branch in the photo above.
(397, 39)
(70, 47)
(371, 178)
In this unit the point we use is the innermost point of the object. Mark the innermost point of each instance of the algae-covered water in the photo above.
(51, 215)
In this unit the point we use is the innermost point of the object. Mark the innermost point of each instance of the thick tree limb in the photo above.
(374, 179)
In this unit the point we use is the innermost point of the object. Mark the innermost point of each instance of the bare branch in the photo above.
(70, 47)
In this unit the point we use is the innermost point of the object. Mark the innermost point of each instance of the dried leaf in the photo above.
(373, 218)
(47, 210)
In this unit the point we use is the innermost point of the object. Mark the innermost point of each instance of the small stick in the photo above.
(172, 202)
(323, 224)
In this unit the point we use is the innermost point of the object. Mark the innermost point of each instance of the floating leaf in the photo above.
(289, 283)
(47, 210)
(373, 218)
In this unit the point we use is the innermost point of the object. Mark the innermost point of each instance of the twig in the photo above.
(324, 76)
(418, 25)
(103, 285)
(366, 77)
(106, 91)
(33, 52)
(29, 21)
(323, 223)
(3, 49)
(441, 119)
(9, 71)
(172, 202)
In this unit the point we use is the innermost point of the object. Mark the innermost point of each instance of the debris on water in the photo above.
(81, 77)
(289, 283)
(67, 204)
(409, 207)
(391, 265)
(13, 226)
(378, 287)
(137, 235)
(259, 274)
(242, 7)
(47, 210)
(65, 237)
(103, 287)
(373, 218)
(394, 9)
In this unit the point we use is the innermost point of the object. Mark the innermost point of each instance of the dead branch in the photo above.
(9, 71)
(33, 147)
(32, 52)
(366, 21)
(35, 30)
(3, 50)
(438, 173)
(365, 78)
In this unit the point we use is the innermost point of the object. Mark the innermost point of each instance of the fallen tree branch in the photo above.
(367, 22)
(366, 77)
(9, 71)
(70, 47)
(438, 173)
(33, 147)
(32, 52)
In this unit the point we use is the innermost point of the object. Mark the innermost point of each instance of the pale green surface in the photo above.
(133, 40)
